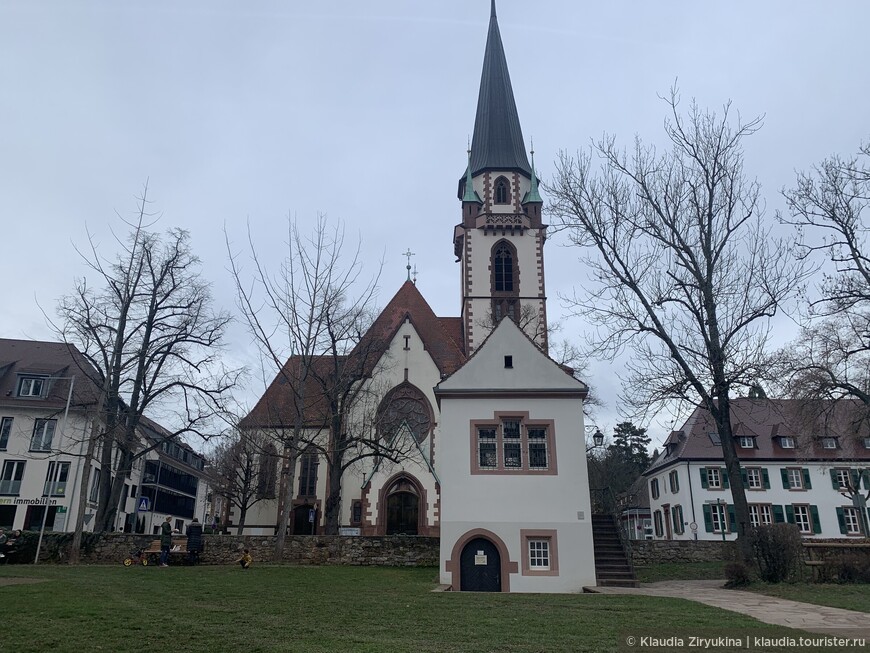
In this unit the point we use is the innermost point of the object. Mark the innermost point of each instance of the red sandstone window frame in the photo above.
(524, 468)
(529, 536)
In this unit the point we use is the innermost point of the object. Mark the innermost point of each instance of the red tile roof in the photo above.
(767, 420)
(441, 338)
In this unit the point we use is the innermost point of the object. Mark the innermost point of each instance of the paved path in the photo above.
(771, 610)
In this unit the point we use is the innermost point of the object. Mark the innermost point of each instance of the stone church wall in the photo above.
(389, 551)
(648, 552)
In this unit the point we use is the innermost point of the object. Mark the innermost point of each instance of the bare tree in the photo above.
(149, 332)
(309, 320)
(684, 270)
(831, 358)
(244, 471)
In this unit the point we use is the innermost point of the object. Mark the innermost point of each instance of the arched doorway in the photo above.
(403, 509)
(302, 523)
(480, 567)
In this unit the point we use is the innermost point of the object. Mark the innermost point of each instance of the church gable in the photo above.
(508, 361)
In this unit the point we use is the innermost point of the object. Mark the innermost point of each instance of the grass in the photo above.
(849, 597)
(318, 609)
(681, 571)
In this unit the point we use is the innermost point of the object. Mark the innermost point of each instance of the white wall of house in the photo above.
(506, 503)
(816, 492)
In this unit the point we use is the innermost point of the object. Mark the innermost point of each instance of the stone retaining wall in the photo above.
(648, 552)
(391, 551)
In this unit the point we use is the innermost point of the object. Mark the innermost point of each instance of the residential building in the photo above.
(482, 410)
(801, 463)
(48, 404)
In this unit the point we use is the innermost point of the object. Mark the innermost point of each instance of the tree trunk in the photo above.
(75, 547)
(288, 480)
(332, 507)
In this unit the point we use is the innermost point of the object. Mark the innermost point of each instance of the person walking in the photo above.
(194, 541)
(165, 541)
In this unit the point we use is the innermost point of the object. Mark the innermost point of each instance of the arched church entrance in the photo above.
(403, 508)
(480, 567)
(302, 522)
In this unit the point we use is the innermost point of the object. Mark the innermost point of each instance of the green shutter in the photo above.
(726, 483)
(808, 484)
(784, 473)
(703, 477)
(817, 525)
(865, 474)
(778, 517)
(766, 478)
(855, 475)
(732, 520)
(708, 519)
(789, 513)
(743, 476)
(834, 483)
(841, 519)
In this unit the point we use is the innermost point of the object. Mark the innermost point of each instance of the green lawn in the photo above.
(681, 571)
(850, 597)
(311, 609)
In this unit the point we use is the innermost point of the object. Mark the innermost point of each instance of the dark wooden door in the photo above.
(301, 520)
(480, 567)
(402, 513)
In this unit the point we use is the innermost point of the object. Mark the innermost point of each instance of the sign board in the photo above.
(480, 558)
(61, 509)
(144, 504)
(348, 530)
(311, 516)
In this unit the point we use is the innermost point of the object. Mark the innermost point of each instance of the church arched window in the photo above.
(268, 472)
(503, 267)
(502, 191)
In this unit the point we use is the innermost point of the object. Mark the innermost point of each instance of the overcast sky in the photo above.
(245, 112)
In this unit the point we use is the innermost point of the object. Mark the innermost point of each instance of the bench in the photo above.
(179, 549)
(815, 564)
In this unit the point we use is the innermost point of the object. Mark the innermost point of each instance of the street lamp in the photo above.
(597, 437)
(52, 483)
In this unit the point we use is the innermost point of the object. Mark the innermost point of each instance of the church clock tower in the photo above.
(500, 241)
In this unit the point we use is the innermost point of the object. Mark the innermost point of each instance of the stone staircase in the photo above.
(612, 568)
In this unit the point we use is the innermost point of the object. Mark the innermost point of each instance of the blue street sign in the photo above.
(144, 504)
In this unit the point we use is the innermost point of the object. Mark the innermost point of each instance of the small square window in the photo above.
(746, 442)
(508, 361)
(787, 442)
(867, 443)
(829, 443)
(31, 386)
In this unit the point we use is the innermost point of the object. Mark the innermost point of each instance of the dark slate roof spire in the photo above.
(498, 139)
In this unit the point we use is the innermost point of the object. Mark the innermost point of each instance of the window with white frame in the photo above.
(10, 477)
(31, 386)
(867, 443)
(802, 518)
(718, 518)
(714, 478)
(539, 554)
(746, 442)
(760, 514)
(843, 478)
(795, 477)
(674, 481)
(829, 443)
(787, 442)
(754, 478)
(5, 430)
(95, 485)
(55, 486)
(43, 433)
(852, 520)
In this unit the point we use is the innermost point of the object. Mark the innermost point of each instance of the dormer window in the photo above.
(786, 442)
(829, 443)
(746, 442)
(867, 443)
(32, 386)
(502, 191)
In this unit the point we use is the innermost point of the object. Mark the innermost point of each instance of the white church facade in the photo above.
(495, 462)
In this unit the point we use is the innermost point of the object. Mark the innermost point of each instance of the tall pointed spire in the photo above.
(470, 194)
(533, 195)
(498, 139)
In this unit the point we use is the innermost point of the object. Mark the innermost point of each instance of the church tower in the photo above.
(500, 241)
